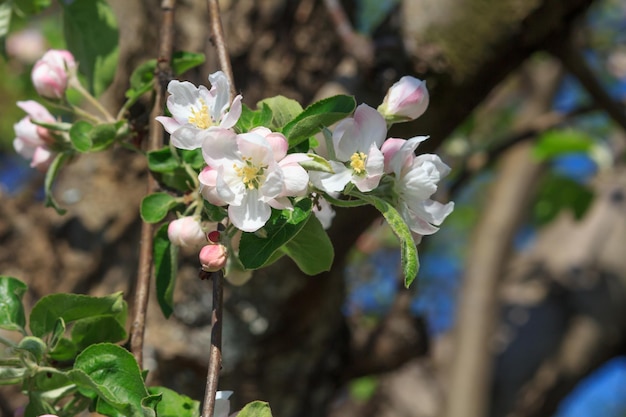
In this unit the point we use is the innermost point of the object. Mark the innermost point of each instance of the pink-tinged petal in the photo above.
(273, 185)
(169, 124)
(404, 157)
(252, 214)
(230, 119)
(208, 176)
(229, 188)
(42, 158)
(407, 98)
(219, 147)
(255, 147)
(372, 126)
(279, 145)
(294, 158)
(27, 132)
(36, 111)
(296, 180)
(389, 148)
(344, 139)
(332, 183)
(23, 148)
(374, 165)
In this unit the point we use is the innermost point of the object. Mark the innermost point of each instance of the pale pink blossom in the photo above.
(197, 109)
(416, 179)
(213, 257)
(31, 141)
(356, 143)
(52, 73)
(186, 232)
(251, 173)
(406, 100)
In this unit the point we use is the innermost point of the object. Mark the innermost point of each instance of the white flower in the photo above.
(31, 141)
(416, 179)
(197, 109)
(251, 172)
(186, 232)
(356, 142)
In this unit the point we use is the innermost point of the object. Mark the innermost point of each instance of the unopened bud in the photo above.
(213, 257)
(51, 73)
(406, 100)
(186, 232)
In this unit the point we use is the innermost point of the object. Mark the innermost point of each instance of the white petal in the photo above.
(252, 214)
(273, 184)
(402, 159)
(220, 147)
(187, 137)
(230, 119)
(220, 91)
(255, 147)
(372, 126)
(183, 95)
(332, 183)
(169, 123)
(295, 180)
(374, 165)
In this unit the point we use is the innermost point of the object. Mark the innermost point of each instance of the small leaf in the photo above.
(165, 267)
(154, 207)
(318, 115)
(99, 329)
(250, 119)
(175, 405)
(194, 158)
(283, 111)
(10, 375)
(30, 7)
(80, 137)
(11, 308)
(72, 307)
(102, 136)
(408, 250)
(559, 141)
(34, 346)
(57, 333)
(142, 76)
(51, 175)
(311, 249)
(91, 34)
(317, 163)
(256, 409)
(255, 249)
(183, 61)
(162, 160)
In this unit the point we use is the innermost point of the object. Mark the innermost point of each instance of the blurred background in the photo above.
(519, 308)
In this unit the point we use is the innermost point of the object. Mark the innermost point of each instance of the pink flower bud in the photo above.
(406, 100)
(186, 231)
(213, 257)
(51, 73)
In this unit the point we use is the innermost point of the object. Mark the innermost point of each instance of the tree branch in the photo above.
(217, 38)
(163, 75)
(215, 351)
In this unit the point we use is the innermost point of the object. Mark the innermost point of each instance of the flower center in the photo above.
(357, 162)
(201, 118)
(251, 175)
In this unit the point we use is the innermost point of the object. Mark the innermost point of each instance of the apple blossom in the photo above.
(356, 143)
(52, 73)
(416, 179)
(251, 173)
(196, 109)
(32, 141)
(186, 232)
(213, 257)
(406, 100)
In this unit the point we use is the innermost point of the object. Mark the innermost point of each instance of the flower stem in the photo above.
(92, 100)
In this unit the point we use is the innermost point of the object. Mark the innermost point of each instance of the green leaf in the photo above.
(5, 24)
(162, 160)
(103, 135)
(183, 61)
(11, 308)
(143, 75)
(111, 373)
(98, 329)
(154, 207)
(194, 158)
(408, 250)
(560, 141)
(30, 7)
(57, 333)
(250, 119)
(65, 350)
(318, 115)
(73, 307)
(557, 193)
(311, 249)
(317, 163)
(47, 379)
(51, 175)
(37, 405)
(165, 267)
(214, 213)
(256, 409)
(80, 136)
(10, 375)
(283, 111)
(255, 249)
(175, 405)
(34, 346)
(91, 34)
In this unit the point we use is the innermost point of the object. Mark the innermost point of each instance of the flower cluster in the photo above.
(251, 172)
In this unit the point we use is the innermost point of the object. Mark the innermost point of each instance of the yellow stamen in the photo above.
(251, 175)
(201, 118)
(357, 162)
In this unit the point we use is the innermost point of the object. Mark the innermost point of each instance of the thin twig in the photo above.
(215, 351)
(163, 74)
(217, 37)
